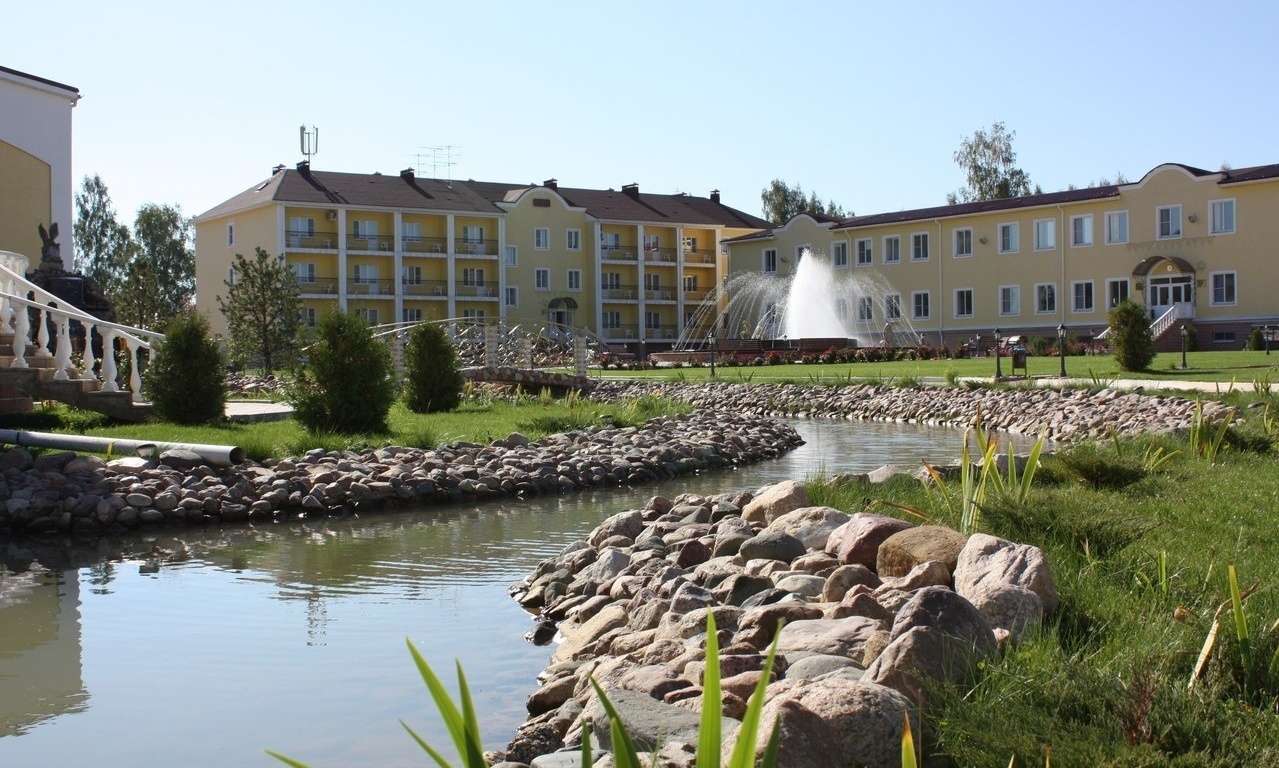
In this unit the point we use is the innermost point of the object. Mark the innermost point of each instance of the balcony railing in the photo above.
(308, 239)
(472, 246)
(699, 257)
(660, 294)
(659, 255)
(371, 243)
(621, 332)
(371, 287)
(696, 294)
(314, 285)
(425, 287)
(619, 253)
(661, 332)
(620, 293)
(428, 245)
(481, 290)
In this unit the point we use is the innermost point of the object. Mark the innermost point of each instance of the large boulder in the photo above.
(833, 637)
(775, 501)
(772, 545)
(857, 541)
(908, 548)
(629, 524)
(811, 525)
(649, 722)
(988, 563)
(579, 637)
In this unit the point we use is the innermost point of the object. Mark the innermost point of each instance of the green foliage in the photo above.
(184, 380)
(159, 276)
(102, 244)
(1130, 336)
(261, 310)
(1256, 341)
(346, 385)
(782, 202)
(432, 379)
(989, 164)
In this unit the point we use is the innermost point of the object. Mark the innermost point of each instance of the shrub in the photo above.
(184, 380)
(346, 386)
(432, 380)
(1130, 333)
(1256, 342)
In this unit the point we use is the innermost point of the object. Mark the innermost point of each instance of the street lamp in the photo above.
(1185, 336)
(1061, 347)
(1269, 335)
(712, 338)
(999, 373)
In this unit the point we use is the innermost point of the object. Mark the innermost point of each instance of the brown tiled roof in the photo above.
(1256, 172)
(612, 205)
(983, 206)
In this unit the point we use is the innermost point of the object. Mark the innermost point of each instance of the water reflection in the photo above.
(39, 649)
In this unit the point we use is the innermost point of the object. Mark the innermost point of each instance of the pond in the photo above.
(202, 647)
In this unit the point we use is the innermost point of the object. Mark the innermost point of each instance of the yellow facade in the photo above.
(26, 203)
(1194, 247)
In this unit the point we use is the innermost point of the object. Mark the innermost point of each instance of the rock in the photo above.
(803, 584)
(772, 545)
(908, 548)
(629, 524)
(987, 560)
(811, 525)
(845, 578)
(857, 541)
(833, 637)
(775, 501)
(650, 723)
(818, 665)
(611, 617)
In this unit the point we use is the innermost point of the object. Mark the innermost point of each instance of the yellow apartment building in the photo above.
(630, 266)
(1194, 247)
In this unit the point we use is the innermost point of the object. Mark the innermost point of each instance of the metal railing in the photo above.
(659, 294)
(661, 332)
(309, 286)
(620, 293)
(481, 290)
(660, 255)
(370, 243)
(619, 253)
(370, 287)
(438, 288)
(621, 332)
(473, 247)
(430, 246)
(699, 257)
(323, 241)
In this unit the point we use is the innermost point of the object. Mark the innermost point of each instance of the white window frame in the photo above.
(512, 256)
(768, 261)
(1012, 243)
(541, 238)
(1078, 307)
(306, 316)
(893, 254)
(1215, 214)
(542, 279)
(919, 245)
(411, 275)
(961, 237)
(1173, 229)
(865, 252)
(1082, 238)
(1013, 293)
(610, 319)
(916, 297)
(368, 315)
(574, 280)
(473, 276)
(512, 297)
(652, 320)
(959, 303)
(304, 271)
(1045, 298)
(366, 273)
(611, 281)
(652, 242)
(611, 241)
(1045, 234)
(473, 314)
(573, 239)
(301, 226)
(1229, 280)
(839, 254)
(1110, 291)
(364, 229)
(690, 283)
(411, 314)
(892, 307)
(652, 281)
(865, 309)
(1112, 218)
(472, 234)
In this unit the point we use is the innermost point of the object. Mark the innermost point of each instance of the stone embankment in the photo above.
(1069, 414)
(65, 492)
(877, 614)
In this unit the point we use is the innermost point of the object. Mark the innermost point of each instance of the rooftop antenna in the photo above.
(443, 156)
(310, 141)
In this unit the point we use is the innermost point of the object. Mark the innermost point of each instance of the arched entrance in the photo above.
(559, 311)
(1169, 283)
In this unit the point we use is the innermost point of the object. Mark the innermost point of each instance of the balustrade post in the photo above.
(109, 371)
(21, 334)
(62, 358)
(88, 357)
(135, 376)
(42, 334)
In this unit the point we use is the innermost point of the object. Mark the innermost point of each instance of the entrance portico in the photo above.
(1169, 282)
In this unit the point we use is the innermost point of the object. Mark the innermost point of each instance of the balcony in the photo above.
(311, 240)
(696, 295)
(436, 288)
(621, 332)
(474, 247)
(659, 294)
(464, 289)
(700, 257)
(659, 255)
(661, 332)
(429, 246)
(370, 287)
(618, 253)
(309, 285)
(619, 293)
(370, 243)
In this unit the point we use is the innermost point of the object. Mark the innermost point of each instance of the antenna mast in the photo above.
(442, 156)
(310, 141)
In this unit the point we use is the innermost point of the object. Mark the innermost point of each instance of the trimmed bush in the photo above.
(1130, 335)
(184, 380)
(432, 380)
(346, 386)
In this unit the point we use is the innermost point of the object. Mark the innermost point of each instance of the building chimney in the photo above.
(304, 167)
(551, 184)
(277, 169)
(407, 174)
(714, 195)
(631, 189)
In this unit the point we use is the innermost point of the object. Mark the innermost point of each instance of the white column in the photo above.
(451, 271)
(397, 268)
(341, 242)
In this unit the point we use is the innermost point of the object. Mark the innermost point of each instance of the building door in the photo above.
(1165, 292)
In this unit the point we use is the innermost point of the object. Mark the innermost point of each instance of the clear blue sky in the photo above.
(864, 103)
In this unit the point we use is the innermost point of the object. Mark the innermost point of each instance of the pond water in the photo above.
(204, 647)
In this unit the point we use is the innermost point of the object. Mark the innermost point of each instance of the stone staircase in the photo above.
(20, 387)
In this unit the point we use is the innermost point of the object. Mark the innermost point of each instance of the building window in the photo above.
(411, 276)
(652, 320)
(366, 273)
(690, 245)
(1223, 288)
(865, 309)
(919, 246)
(1116, 291)
(472, 233)
(304, 272)
(368, 315)
(541, 239)
(1009, 300)
(230, 235)
(839, 253)
(410, 315)
(651, 242)
(575, 279)
(611, 281)
(1045, 234)
(473, 314)
(610, 241)
(1116, 227)
(892, 249)
(365, 230)
(800, 250)
(1081, 296)
(865, 253)
(652, 281)
(690, 282)
(411, 231)
(230, 276)
(1008, 237)
(770, 261)
(306, 316)
(573, 239)
(512, 256)
(1045, 298)
(919, 302)
(842, 308)
(1224, 337)
(542, 279)
(300, 227)
(1168, 222)
(963, 242)
(472, 276)
(1223, 217)
(963, 302)
(893, 306)
(512, 296)
(611, 319)
(1081, 231)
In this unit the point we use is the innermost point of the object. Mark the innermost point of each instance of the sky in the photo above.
(863, 103)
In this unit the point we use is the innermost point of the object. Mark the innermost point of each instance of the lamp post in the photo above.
(977, 351)
(1268, 333)
(1061, 347)
(712, 338)
(1185, 335)
(1092, 342)
(999, 373)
